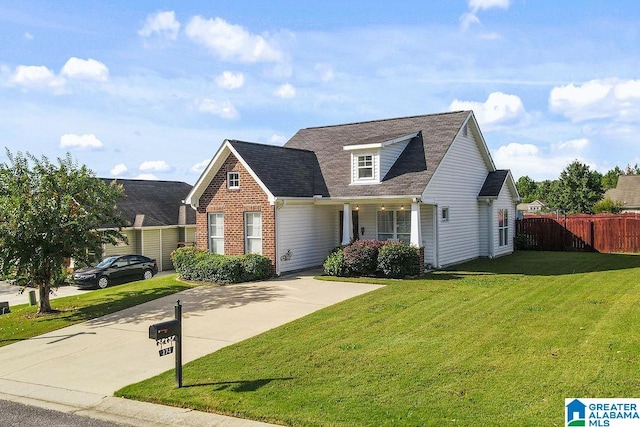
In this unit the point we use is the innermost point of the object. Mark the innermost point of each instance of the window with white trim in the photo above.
(216, 232)
(253, 232)
(365, 166)
(394, 225)
(503, 227)
(233, 180)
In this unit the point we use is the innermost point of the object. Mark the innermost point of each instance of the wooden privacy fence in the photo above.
(580, 233)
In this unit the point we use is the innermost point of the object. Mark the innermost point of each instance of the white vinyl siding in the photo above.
(456, 184)
(504, 203)
(428, 241)
(216, 233)
(304, 235)
(389, 155)
(253, 232)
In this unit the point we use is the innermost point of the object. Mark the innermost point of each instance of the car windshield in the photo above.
(106, 262)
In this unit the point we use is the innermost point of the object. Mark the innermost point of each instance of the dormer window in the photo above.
(372, 158)
(365, 166)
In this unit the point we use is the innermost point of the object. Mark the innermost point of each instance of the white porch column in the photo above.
(416, 227)
(347, 227)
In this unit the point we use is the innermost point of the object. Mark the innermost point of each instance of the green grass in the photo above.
(23, 322)
(492, 343)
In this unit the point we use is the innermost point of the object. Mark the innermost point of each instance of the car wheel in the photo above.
(103, 282)
(148, 274)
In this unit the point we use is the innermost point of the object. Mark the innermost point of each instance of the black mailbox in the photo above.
(164, 330)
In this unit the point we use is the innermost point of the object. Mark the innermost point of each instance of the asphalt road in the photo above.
(17, 414)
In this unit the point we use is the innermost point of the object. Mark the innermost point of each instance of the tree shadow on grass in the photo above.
(539, 263)
(238, 386)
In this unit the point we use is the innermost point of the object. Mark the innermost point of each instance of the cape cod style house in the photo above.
(428, 180)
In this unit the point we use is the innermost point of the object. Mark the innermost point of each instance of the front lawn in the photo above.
(23, 322)
(492, 342)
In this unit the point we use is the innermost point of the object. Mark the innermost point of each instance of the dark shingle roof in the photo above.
(286, 172)
(411, 172)
(627, 191)
(493, 184)
(159, 201)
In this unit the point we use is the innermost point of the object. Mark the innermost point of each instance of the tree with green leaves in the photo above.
(608, 206)
(52, 212)
(577, 190)
(610, 179)
(527, 188)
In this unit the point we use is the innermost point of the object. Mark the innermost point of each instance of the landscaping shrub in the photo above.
(334, 264)
(196, 264)
(361, 257)
(255, 267)
(398, 260)
(185, 259)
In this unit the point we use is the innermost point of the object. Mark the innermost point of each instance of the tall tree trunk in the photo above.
(44, 305)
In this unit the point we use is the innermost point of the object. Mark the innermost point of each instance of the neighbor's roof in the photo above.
(285, 172)
(159, 201)
(412, 171)
(627, 191)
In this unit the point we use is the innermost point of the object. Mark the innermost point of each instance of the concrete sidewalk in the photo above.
(77, 369)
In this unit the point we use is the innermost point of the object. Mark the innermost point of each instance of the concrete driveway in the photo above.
(78, 368)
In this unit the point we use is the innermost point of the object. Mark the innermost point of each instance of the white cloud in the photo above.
(230, 80)
(471, 17)
(223, 109)
(200, 166)
(277, 139)
(528, 159)
(163, 24)
(499, 109)
(285, 91)
(37, 77)
(572, 144)
(597, 99)
(232, 42)
(476, 5)
(28, 36)
(325, 71)
(85, 69)
(155, 166)
(80, 142)
(118, 169)
(146, 177)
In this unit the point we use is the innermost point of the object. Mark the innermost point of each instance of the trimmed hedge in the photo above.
(202, 266)
(397, 260)
(373, 257)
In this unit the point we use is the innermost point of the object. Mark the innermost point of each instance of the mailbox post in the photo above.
(170, 331)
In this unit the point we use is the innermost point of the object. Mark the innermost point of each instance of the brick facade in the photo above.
(234, 203)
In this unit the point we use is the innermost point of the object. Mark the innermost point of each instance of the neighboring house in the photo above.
(427, 180)
(534, 207)
(627, 192)
(159, 221)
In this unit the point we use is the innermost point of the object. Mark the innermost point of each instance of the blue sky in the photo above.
(149, 90)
